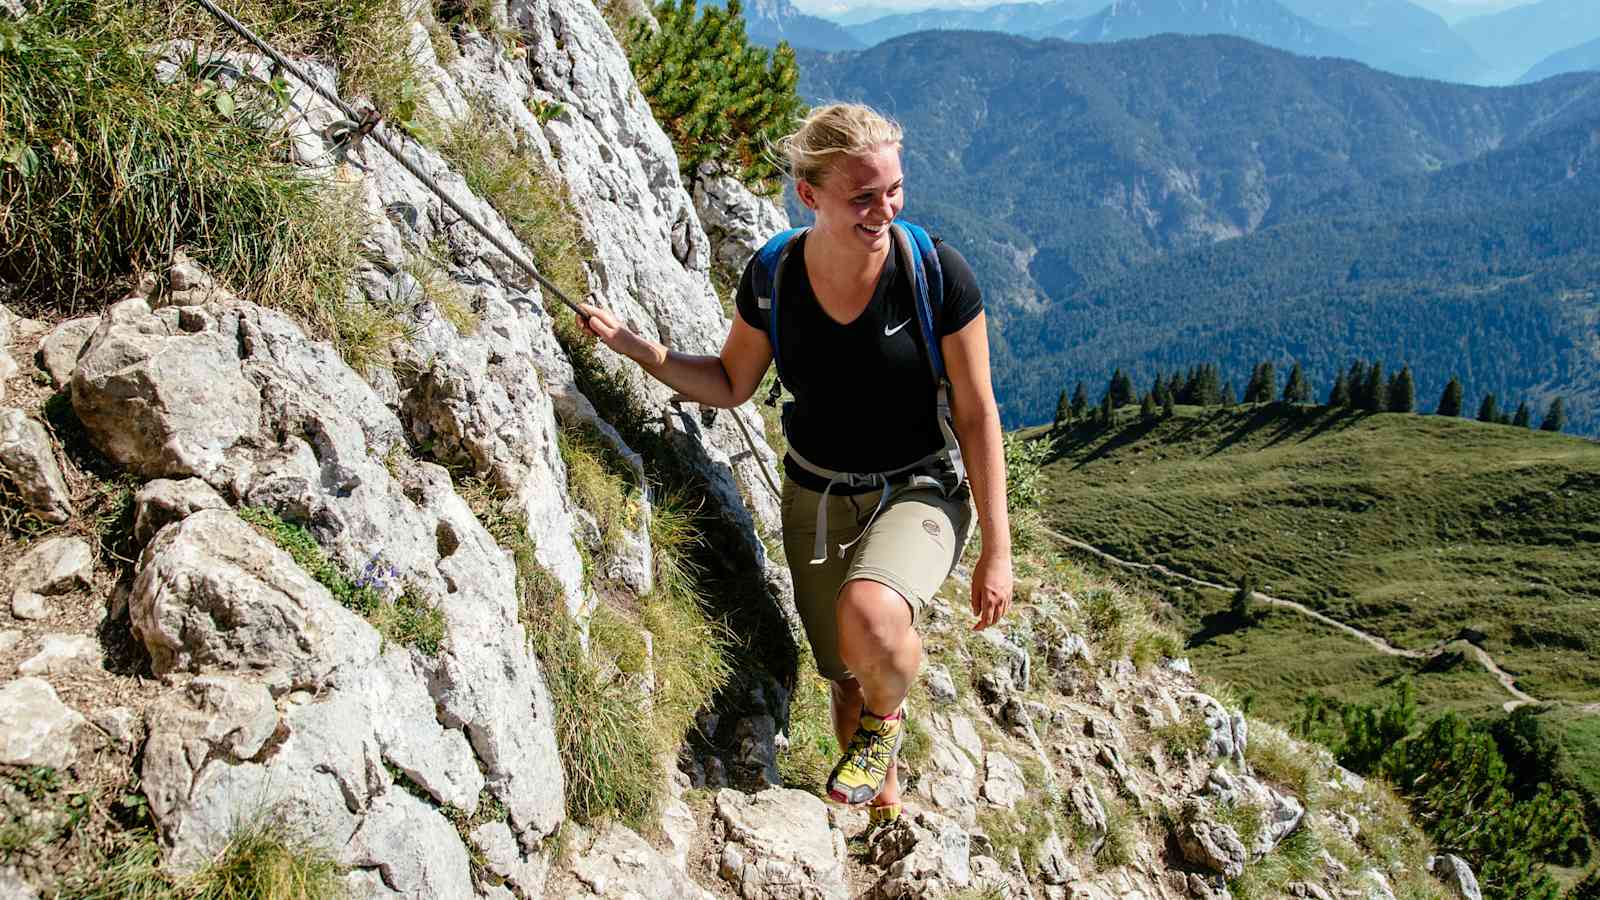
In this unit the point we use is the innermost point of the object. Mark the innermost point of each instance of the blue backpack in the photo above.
(921, 257)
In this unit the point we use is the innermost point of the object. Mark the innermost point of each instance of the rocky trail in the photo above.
(1506, 680)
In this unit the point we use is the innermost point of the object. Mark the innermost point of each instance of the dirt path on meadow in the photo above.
(1520, 698)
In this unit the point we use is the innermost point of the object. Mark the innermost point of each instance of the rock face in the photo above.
(737, 221)
(1456, 875)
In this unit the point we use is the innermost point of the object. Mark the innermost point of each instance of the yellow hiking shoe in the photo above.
(859, 776)
(880, 819)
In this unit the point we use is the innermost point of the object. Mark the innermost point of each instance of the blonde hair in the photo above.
(831, 132)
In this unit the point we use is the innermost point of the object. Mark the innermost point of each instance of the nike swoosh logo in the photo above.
(889, 332)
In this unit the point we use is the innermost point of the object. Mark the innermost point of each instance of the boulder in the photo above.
(1280, 813)
(212, 593)
(60, 653)
(8, 366)
(1208, 844)
(58, 352)
(50, 568)
(923, 857)
(1228, 730)
(28, 462)
(163, 393)
(36, 728)
(1456, 875)
(620, 865)
(779, 846)
(162, 501)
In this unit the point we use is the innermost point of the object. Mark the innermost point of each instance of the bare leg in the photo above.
(878, 644)
(846, 717)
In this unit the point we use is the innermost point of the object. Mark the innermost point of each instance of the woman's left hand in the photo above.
(991, 589)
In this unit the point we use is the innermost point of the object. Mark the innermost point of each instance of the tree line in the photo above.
(1363, 387)
(1486, 790)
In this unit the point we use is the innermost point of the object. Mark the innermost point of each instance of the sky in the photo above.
(837, 7)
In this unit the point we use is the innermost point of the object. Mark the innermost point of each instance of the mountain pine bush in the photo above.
(721, 99)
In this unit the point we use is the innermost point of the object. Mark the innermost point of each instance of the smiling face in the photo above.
(858, 199)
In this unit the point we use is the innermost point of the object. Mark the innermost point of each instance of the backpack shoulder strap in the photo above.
(766, 278)
(927, 278)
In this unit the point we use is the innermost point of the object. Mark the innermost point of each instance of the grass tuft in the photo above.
(407, 620)
(114, 170)
(601, 482)
(264, 861)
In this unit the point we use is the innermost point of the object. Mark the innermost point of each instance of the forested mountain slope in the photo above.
(1090, 185)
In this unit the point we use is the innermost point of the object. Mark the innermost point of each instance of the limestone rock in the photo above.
(12, 887)
(1050, 860)
(36, 728)
(621, 865)
(162, 501)
(62, 653)
(1018, 663)
(1228, 730)
(941, 687)
(120, 723)
(1210, 845)
(1456, 875)
(1308, 890)
(925, 857)
(212, 593)
(503, 859)
(52, 567)
(211, 716)
(1003, 784)
(8, 366)
(28, 461)
(779, 846)
(737, 222)
(1280, 813)
(756, 749)
(163, 393)
(58, 352)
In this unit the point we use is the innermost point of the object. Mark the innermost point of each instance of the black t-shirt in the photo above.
(864, 397)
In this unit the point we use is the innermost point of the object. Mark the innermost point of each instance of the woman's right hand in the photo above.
(611, 332)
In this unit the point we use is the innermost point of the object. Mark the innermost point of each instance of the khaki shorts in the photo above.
(911, 547)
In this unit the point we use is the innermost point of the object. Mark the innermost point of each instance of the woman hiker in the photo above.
(884, 461)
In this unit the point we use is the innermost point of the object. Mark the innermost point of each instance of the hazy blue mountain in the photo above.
(1453, 12)
(1263, 21)
(767, 22)
(1582, 58)
(1070, 172)
(1397, 36)
(1011, 18)
(856, 15)
(1514, 40)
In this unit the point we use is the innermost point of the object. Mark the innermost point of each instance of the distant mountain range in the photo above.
(1407, 37)
(1524, 36)
(1143, 203)
(1582, 58)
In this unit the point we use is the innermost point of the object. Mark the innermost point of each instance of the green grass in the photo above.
(407, 619)
(263, 861)
(813, 749)
(1411, 527)
(1187, 735)
(112, 170)
(601, 482)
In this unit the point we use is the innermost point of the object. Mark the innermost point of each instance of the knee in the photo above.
(874, 616)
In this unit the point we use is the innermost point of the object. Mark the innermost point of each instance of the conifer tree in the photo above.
(1555, 418)
(1063, 411)
(1375, 392)
(1451, 400)
(1174, 387)
(1488, 410)
(1107, 410)
(1505, 417)
(1167, 406)
(1243, 606)
(1340, 394)
(1356, 379)
(1147, 407)
(720, 98)
(1158, 390)
(1523, 417)
(1402, 393)
(1122, 389)
(1228, 397)
(1297, 390)
(1080, 401)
